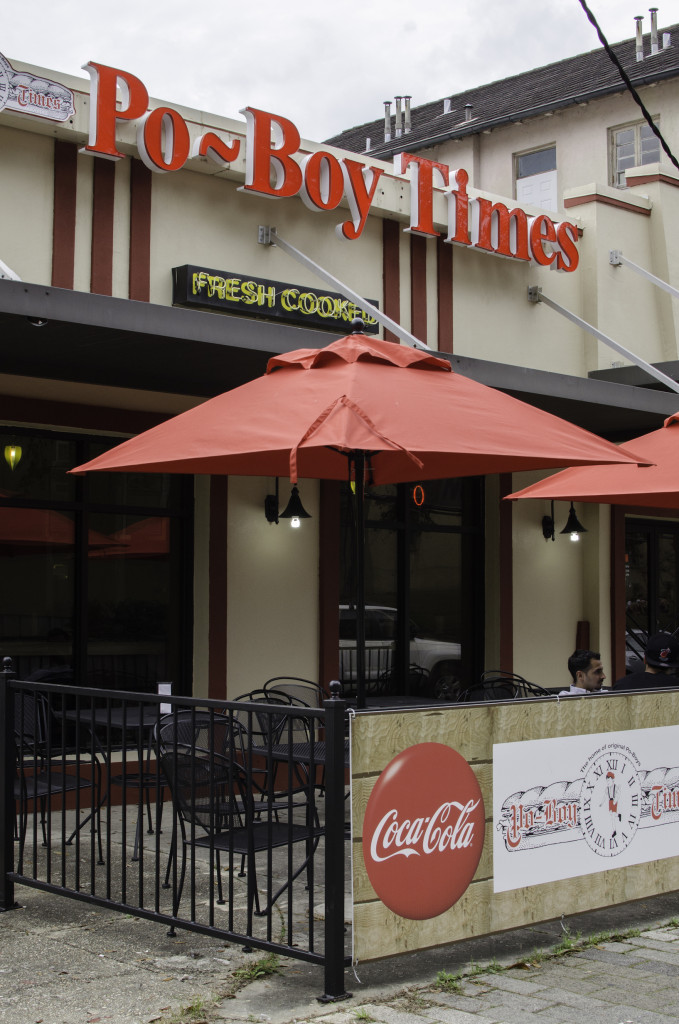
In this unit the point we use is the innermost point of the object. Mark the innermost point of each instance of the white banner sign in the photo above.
(576, 805)
(32, 94)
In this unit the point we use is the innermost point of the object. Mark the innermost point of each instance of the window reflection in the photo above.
(65, 540)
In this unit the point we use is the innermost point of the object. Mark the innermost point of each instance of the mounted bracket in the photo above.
(266, 235)
(6, 274)
(534, 293)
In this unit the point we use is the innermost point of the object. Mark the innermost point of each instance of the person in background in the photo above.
(587, 671)
(661, 659)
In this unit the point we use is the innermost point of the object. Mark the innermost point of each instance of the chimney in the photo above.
(398, 131)
(640, 39)
(408, 126)
(367, 144)
(387, 120)
(654, 29)
(468, 111)
(446, 106)
(666, 40)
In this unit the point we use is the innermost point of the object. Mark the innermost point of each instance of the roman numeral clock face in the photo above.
(610, 804)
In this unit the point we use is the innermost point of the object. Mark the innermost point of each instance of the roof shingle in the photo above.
(566, 82)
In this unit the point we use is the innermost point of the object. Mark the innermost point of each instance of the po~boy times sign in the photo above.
(459, 830)
(276, 165)
(584, 804)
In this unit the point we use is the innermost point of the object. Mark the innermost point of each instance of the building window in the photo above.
(96, 570)
(535, 178)
(632, 146)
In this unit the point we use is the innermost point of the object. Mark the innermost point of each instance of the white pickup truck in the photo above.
(437, 660)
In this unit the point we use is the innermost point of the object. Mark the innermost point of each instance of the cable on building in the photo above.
(626, 79)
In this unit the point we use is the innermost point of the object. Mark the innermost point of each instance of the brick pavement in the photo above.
(632, 981)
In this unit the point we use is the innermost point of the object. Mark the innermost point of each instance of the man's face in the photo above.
(593, 677)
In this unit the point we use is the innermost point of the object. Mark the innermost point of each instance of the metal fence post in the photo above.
(7, 755)
(334, 846)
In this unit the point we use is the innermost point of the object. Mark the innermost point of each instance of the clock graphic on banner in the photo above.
(610, 803)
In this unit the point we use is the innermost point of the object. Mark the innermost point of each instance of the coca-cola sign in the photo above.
(423, 831)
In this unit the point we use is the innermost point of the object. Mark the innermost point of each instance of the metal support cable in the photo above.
(616, 259)
(269, 236)
(626, 79)
(535, 295)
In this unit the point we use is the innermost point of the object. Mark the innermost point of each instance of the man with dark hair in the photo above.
(661, 660)
(587, 672)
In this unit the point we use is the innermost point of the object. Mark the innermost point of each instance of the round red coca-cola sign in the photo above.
(423, 831)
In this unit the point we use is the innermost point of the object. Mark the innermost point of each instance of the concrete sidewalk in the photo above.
(64, 962)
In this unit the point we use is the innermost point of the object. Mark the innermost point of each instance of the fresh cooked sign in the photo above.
(576, 805)
(257, 296)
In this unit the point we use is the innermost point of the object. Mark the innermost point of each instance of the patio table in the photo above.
(140, 721)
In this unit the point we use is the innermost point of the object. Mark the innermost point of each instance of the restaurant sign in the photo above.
(577, 805)
(229, 292)
(31, 94)
(275, 166)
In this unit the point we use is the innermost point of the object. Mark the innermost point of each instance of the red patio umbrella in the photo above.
(650, 486)
(397, 414)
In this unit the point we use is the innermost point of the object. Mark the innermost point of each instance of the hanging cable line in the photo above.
(626, 79)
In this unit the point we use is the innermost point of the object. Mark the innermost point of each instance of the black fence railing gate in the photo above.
(222, 817)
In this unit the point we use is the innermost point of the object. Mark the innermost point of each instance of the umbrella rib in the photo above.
(357, 411)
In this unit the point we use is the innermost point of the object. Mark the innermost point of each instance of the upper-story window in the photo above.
(631, 146)
(536, 178)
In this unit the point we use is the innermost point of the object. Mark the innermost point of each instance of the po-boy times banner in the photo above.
(578, 805)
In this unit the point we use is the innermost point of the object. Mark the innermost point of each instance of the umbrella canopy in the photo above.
(649, 486)
(405, 409)
(394, 413)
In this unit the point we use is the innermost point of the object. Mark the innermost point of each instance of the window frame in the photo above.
(529, 152)
(636, 126)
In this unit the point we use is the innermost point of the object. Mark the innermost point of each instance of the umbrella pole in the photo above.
(359, 558)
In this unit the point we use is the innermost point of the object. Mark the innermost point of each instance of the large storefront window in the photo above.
(423, 586)
(651, 584)
(94, 568)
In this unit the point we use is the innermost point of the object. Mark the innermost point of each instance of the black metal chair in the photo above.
(496, 684)
(46, 771)
(220, 809)
(296, 735)
(309, 693)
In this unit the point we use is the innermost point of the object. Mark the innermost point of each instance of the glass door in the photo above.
(423, 586)
(651, 584)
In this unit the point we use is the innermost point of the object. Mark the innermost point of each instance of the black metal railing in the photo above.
(226, 818)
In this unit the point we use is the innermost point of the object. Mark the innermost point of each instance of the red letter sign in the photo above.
(103, 112)
(542, 230)
(323, 186)
(421, 190)
(163, 140)
(261, 157)
(359, 195)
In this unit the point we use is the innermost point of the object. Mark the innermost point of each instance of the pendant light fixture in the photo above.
(573, 525)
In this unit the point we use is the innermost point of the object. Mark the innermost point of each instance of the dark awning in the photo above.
(97, 339)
